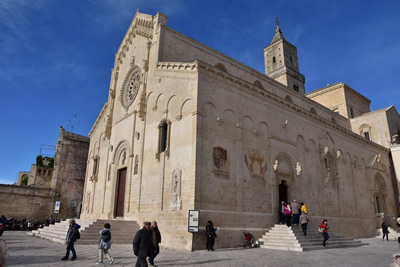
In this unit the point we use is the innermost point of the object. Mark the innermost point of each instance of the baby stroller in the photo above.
(249, 240)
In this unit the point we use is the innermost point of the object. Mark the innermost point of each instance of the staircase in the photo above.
(281, 237)
(122, 232)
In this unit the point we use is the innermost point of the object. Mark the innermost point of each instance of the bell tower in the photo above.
(281, 62)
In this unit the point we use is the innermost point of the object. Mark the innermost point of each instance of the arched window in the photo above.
(289, 99)
(365, 130)
(258, 84)
(164, 130)
(220, 66)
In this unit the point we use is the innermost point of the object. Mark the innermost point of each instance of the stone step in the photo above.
(294, 240)
(282, 248)
(122, 231)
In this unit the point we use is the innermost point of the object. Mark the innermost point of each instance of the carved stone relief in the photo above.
(220, 159)
(255, 163)
(87, 202)
(176, 202)
(135, 171)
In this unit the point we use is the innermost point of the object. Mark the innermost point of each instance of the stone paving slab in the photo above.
(26, 250)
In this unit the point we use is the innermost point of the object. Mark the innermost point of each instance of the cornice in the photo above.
(102, 112)
(258, 92)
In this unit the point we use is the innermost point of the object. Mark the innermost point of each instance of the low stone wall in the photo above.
(22, 201)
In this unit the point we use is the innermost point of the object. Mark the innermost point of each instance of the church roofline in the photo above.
(335, 86)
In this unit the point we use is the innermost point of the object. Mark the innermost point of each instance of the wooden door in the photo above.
(120, 199)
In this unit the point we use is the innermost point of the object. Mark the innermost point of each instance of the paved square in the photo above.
(32, 251)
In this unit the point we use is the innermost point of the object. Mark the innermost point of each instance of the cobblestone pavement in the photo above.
(32, 251)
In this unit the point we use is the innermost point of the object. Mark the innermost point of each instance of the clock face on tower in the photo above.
(132, 89)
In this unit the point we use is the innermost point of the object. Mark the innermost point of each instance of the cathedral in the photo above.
(188, 128)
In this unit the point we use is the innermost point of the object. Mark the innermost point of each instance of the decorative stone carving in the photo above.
(298, 168)
(276, 164)
(109, 172)
(123, 158)
(220, 159)
(87, 202)
(176, 202)
(135, 171)
(255, 163)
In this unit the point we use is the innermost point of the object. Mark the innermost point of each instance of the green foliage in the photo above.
(45, 162)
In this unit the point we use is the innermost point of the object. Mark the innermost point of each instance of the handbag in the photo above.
(321, 230)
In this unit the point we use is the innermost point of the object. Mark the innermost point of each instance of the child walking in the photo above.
(105, 244)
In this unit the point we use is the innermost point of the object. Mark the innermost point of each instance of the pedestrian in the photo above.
(385, 231)
(323, 229)
(304, 222)
(281, 216)
(287, 212)
(156, 238)
(211, 235)
(3, 224)
(304, 207)
(296, 212)
(143, 244)
(105, 244)
(72, 235)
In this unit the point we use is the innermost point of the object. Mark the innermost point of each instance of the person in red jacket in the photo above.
(324, 230)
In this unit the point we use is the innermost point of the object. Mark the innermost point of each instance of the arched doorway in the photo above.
(283, 191)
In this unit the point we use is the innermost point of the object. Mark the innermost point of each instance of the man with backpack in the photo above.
(72, 235)
(105, 244)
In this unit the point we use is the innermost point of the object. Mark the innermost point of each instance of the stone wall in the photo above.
(23, 201)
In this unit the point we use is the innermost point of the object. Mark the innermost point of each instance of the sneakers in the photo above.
(99, 262)
(64, 258)
(73, 258)
(112, 260)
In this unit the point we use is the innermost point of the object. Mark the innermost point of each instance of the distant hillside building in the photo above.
(186, 127)
(50, 180)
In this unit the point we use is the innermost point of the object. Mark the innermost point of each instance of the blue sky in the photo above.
(56, 56)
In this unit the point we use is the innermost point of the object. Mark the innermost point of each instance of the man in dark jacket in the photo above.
(72, 236)
(143, 244)
(156, 237)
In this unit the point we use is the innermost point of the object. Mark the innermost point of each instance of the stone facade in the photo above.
(186, 127)
(63, 182)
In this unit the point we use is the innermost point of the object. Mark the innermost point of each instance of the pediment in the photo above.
(375, 163)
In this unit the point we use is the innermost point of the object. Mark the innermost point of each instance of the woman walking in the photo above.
(287, 212)
(323, 228)
(105, 244)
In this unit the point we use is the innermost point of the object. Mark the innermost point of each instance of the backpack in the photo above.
(106, 236)
(78, 236)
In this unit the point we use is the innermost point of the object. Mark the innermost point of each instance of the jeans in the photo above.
(326, 237)
(70, 247)
(304, 227)
(295, 218)
(387, 236)
(154, 254)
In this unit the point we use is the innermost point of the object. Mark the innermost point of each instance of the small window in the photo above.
(366, 135)
(164, 130)
(95, 164)
(273, 60)
(295, 87)
(291, 59)
(351, 113)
